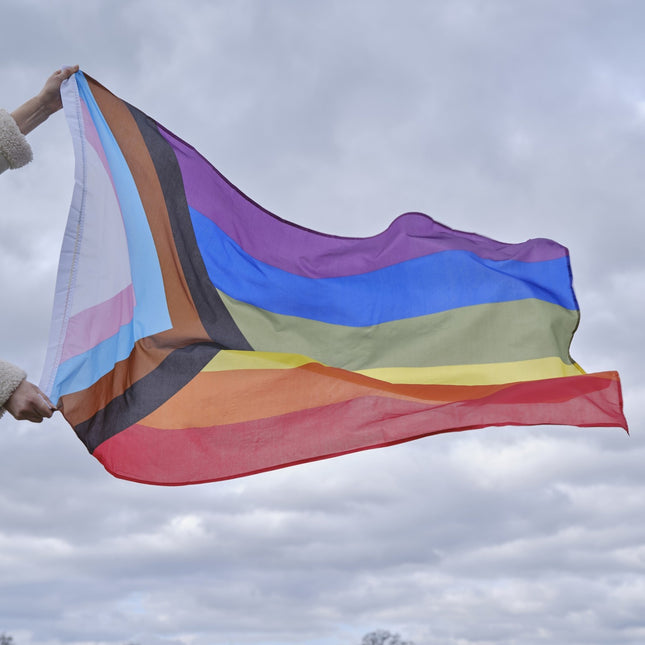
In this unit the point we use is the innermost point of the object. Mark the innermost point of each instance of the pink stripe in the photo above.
(93, 325)
(92, 137)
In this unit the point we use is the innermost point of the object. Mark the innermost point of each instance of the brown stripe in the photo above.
(149, 352)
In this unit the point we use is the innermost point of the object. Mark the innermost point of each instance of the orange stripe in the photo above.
(245, 395)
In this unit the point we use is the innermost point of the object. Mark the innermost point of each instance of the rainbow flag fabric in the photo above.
(197, 337)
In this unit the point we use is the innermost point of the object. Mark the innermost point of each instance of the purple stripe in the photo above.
(93, 325)
(312, 254)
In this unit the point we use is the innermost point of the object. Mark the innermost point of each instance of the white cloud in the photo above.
(513, 121)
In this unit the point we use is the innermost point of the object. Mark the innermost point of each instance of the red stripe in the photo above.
(193, 455)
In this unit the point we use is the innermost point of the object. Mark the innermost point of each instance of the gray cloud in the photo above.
(514, 121)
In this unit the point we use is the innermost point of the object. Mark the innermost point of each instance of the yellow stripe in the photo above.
(232, 359)
(482, 374)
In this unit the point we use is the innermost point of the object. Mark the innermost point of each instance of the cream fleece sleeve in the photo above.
(10, 378)
(15, 150)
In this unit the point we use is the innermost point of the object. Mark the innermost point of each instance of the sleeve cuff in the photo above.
(15, 150)
(10, 378)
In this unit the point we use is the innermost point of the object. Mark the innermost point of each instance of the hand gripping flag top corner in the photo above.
(197, 337)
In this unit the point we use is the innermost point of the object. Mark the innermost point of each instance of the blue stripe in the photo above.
(416, 287)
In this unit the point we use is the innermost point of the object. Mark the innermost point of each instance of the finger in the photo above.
(42, 410)
(39, 409)
(68, 71)
(45, 398)
(38, 413)
(30, 415)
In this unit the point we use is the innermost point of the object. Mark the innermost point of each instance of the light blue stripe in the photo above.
(416, 287)
(151, 311)
(150, 314)
(79, 372)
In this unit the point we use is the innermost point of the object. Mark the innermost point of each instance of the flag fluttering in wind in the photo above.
(197, 337)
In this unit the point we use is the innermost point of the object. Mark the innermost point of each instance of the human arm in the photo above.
(14, 148)
(28, 403)
(22, 399)
(37, 109)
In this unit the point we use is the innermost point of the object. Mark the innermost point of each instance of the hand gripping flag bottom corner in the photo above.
(197, 337)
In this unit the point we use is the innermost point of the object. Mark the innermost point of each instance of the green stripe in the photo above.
(490, 333)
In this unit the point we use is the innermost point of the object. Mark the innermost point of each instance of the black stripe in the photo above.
(182, 364)
(214, 316)
(146, 394)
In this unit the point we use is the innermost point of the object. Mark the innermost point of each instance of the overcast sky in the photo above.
(514, 119)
